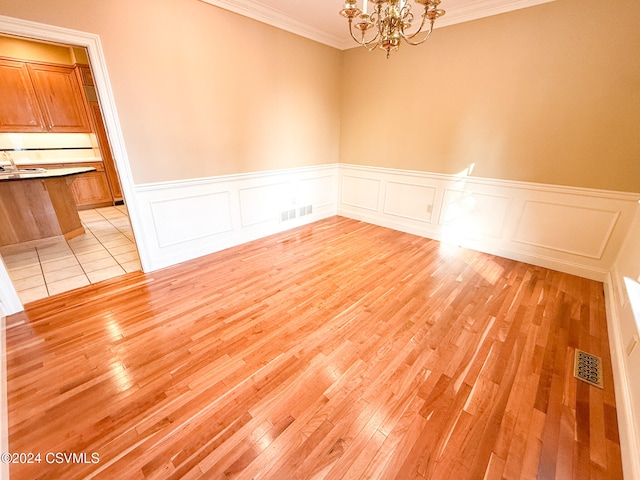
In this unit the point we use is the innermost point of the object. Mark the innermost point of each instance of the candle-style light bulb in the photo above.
(365, 3)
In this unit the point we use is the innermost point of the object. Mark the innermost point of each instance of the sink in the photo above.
(21, 171)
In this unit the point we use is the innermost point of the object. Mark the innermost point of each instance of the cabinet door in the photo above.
(61, 98)
(19, 109)
(91, 190)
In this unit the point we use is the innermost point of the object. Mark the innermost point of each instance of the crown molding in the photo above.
(484, 8)
(455, 14)
(265, 14)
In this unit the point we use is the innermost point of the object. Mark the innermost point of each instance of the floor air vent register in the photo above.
(588, 368)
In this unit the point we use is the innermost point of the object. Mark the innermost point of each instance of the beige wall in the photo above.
(201, 91)
(547, 94)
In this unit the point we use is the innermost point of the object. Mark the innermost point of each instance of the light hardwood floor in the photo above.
(336, 350)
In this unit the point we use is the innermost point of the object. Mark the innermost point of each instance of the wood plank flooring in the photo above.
(338, 350)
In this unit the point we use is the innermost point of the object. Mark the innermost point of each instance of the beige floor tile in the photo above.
(127, 248)
(126, 257)
(52, 248)
(17, 249)
(55, 256)
(133, 266)
(104, 274)
(113, 237)
(63, 274)
(86, 239)
(68, 284)
(25, 272)
(29, 282)
(64, 263)
(33, 294)
(88, 215)
(92, 256)
(100, 264)
(59, 264)
(24, 259)
(97, 247)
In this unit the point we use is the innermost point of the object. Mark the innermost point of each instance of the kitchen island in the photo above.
(37, 203)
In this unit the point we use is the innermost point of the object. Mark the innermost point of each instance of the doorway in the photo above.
(110, 242)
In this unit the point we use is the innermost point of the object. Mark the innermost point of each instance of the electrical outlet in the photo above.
(429, 208)
(632, 345)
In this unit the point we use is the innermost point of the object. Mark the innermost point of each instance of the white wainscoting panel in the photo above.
(188, 219)
(319, 191)
(564, 228)
(360, 192)
(410, 201)
(262, 203)
(474, 214)
(173, 227)
(569, 229)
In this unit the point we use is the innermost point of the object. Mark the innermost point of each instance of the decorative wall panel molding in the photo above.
(420, 205)
(474, 214)
(188, 219)
(262, 203)
(360, 192)
(172, 226)
(573, 230)
(319, 190)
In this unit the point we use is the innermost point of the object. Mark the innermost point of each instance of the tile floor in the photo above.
(47, 267)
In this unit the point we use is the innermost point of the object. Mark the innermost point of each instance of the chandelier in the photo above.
(390, 22)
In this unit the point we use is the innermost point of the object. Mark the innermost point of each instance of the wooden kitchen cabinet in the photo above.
(37, 97)
(91, 190)
(61, 98)
(19, 107)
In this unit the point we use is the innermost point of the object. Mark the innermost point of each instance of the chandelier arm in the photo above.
(428, 34)
(362, 41)
(412, 35)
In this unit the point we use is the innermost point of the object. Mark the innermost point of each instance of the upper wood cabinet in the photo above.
(19, 108)
(61, 98)
(41, 98)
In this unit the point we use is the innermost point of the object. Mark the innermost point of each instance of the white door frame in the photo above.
(9, 300)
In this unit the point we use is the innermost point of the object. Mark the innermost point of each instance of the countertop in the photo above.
(26, 174)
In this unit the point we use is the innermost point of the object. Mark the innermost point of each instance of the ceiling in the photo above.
(319, 20)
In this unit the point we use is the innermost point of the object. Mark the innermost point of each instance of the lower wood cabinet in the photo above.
(90, 190)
